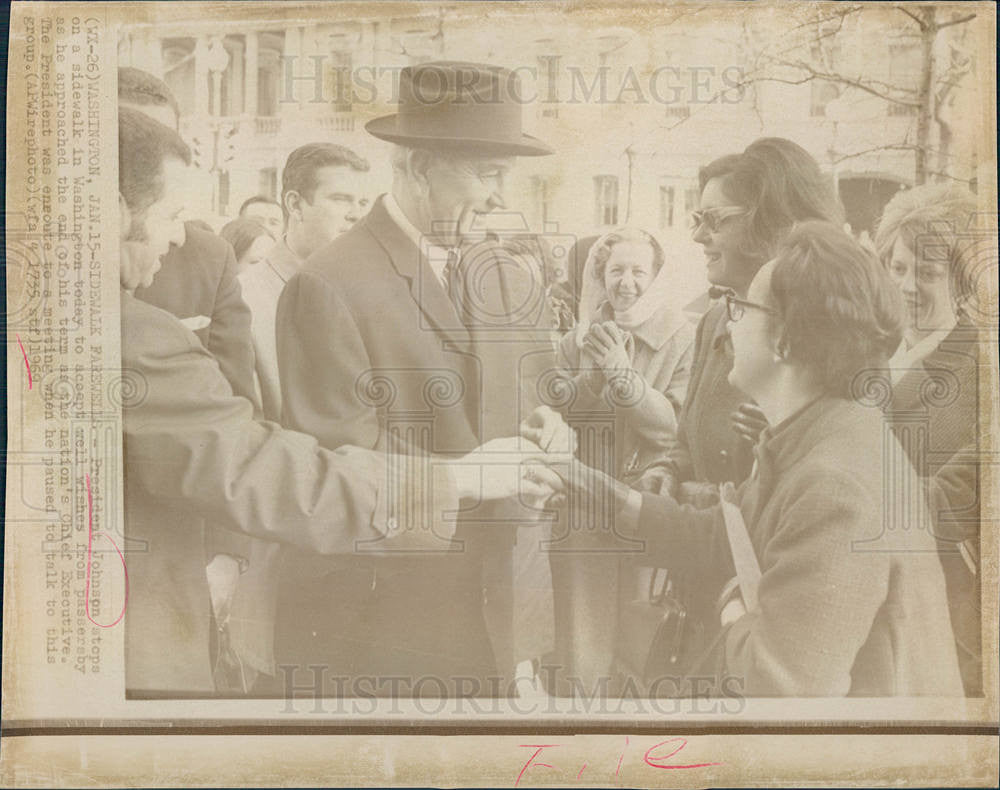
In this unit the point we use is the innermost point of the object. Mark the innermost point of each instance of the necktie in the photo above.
(453, 281)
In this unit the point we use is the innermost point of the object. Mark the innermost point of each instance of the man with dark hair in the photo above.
(144, 92)
(192, 447)
(323, 189)
(267, 212)
(198, 284)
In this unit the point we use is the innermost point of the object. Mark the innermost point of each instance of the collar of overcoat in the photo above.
(411, 264)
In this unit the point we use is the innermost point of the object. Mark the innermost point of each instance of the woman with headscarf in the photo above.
(626, 369)
(924, 242)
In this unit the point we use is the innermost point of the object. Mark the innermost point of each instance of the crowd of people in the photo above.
(367, 448)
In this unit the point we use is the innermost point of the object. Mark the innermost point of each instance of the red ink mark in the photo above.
(581, 771)
(90, 553)
(657, 761)
(622, 757)
(538, 750)
(26, 364)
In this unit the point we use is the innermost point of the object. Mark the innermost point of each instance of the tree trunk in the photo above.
(925, 112)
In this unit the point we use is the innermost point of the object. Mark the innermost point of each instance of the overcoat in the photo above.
(369, 346)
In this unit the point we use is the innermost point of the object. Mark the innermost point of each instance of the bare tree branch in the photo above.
(959, 21)
(886, 147)
(914, 17)
(854, 83)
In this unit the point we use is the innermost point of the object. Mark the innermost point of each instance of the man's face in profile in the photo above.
(158, 228)
(267, 214)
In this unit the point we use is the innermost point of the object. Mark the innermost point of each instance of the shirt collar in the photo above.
(283, 261)
(436, 255)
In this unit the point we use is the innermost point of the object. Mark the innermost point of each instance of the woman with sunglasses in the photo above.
(927, 242)
(822, 585)
(748, 203)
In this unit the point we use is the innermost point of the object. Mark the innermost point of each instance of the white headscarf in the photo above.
(593, 296)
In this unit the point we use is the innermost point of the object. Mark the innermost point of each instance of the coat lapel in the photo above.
(409, 262)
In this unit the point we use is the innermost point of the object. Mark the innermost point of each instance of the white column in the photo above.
(201, 77)
(250, 82)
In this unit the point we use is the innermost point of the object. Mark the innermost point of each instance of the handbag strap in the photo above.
(744, 556)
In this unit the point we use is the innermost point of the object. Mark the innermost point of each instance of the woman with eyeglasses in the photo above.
(626, 368)
(929, 244)
(821, 584)
(749, 201)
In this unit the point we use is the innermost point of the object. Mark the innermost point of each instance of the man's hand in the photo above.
(223, 574)
(547, 429)
(658, 480)
(590, 485)
(609, 345)
(699, 495)
(138, 265)
(504, 468)
(748, 421)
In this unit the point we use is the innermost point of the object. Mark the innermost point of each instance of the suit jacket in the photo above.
(708, 449)
(935, 414)
(369, 346)
(852, 597)
(194, 453)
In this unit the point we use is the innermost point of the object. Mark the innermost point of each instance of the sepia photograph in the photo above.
(564, 368)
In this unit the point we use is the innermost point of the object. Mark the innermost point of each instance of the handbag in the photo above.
(657, 638)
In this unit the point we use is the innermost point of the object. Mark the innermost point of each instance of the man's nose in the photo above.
(700, 233)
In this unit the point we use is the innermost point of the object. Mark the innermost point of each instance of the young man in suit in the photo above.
(192, 447)
(403, 326)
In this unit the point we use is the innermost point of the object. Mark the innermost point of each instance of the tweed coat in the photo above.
(852, 596)
(370, 345)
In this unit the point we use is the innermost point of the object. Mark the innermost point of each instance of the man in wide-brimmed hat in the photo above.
(413, 323)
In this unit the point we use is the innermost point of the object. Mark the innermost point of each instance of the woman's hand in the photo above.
(607, 344)
(748, 421)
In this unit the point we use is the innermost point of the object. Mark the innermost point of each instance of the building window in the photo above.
(341, 81)
(666, 206)
(692, 199)
(606, 200)
(904, 76)
(823, 92)
(268, 183)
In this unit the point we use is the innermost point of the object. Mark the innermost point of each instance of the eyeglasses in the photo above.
(736, 307)
(711, 219)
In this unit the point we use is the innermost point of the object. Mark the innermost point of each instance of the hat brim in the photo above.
(386, 128)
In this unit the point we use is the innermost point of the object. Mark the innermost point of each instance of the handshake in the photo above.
(537, 468)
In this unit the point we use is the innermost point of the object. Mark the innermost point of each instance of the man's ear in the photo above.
(419, 162)
(125, 217)
(781, 348)
(292, 201)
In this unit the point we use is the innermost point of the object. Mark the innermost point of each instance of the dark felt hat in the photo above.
(472, 107)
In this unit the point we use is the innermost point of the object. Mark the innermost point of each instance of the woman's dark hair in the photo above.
(840, 312)
(241, 233)
(780, 184)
